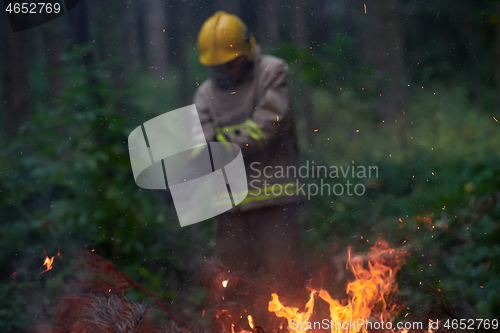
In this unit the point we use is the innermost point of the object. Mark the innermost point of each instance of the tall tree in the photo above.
(132, 37)
(53, 42)
(497, 55)
(268, 22)
(230, 6)
(383, 48)
(79, 22)
(300, 33)
(16, 81)
(114, 38)
(182, 41)
(155, 26)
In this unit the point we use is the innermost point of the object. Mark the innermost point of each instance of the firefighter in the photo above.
(246, 102)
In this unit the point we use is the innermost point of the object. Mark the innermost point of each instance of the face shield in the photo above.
(231, 73)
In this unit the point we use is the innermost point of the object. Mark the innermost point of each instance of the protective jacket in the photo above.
(255, 114)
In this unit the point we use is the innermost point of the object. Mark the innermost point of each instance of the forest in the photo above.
(410, 87)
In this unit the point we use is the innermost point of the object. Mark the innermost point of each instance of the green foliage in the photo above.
(438, 194)
(325, 64)
(67, 181)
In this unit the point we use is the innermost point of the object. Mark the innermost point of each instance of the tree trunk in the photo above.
(155, 33)
(472, 42)
(53, 47)
(497, 63)
(300, 34)
(132, 38)
(384, 50)
(230, 6)
(181, 41)
(79, 21)
(16, 82)
(268, 22)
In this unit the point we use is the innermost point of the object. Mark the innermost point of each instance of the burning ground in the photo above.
(370, 302)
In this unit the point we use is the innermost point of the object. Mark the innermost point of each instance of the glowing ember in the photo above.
(224, 283)
(250, 322)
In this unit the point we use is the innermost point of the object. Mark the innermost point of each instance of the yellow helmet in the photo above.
(222, 38)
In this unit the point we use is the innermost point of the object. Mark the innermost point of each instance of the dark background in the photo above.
(412, 87)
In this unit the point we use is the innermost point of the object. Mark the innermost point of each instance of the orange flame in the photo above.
(367, 295)
(250, 323)
(49, 261)
(291, 313)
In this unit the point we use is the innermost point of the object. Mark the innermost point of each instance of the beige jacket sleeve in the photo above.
(272, 107)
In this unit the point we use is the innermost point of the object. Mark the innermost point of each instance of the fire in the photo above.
(250, 323)
(367, 295)
(224, 283)
(49, 261)
(291, 313)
